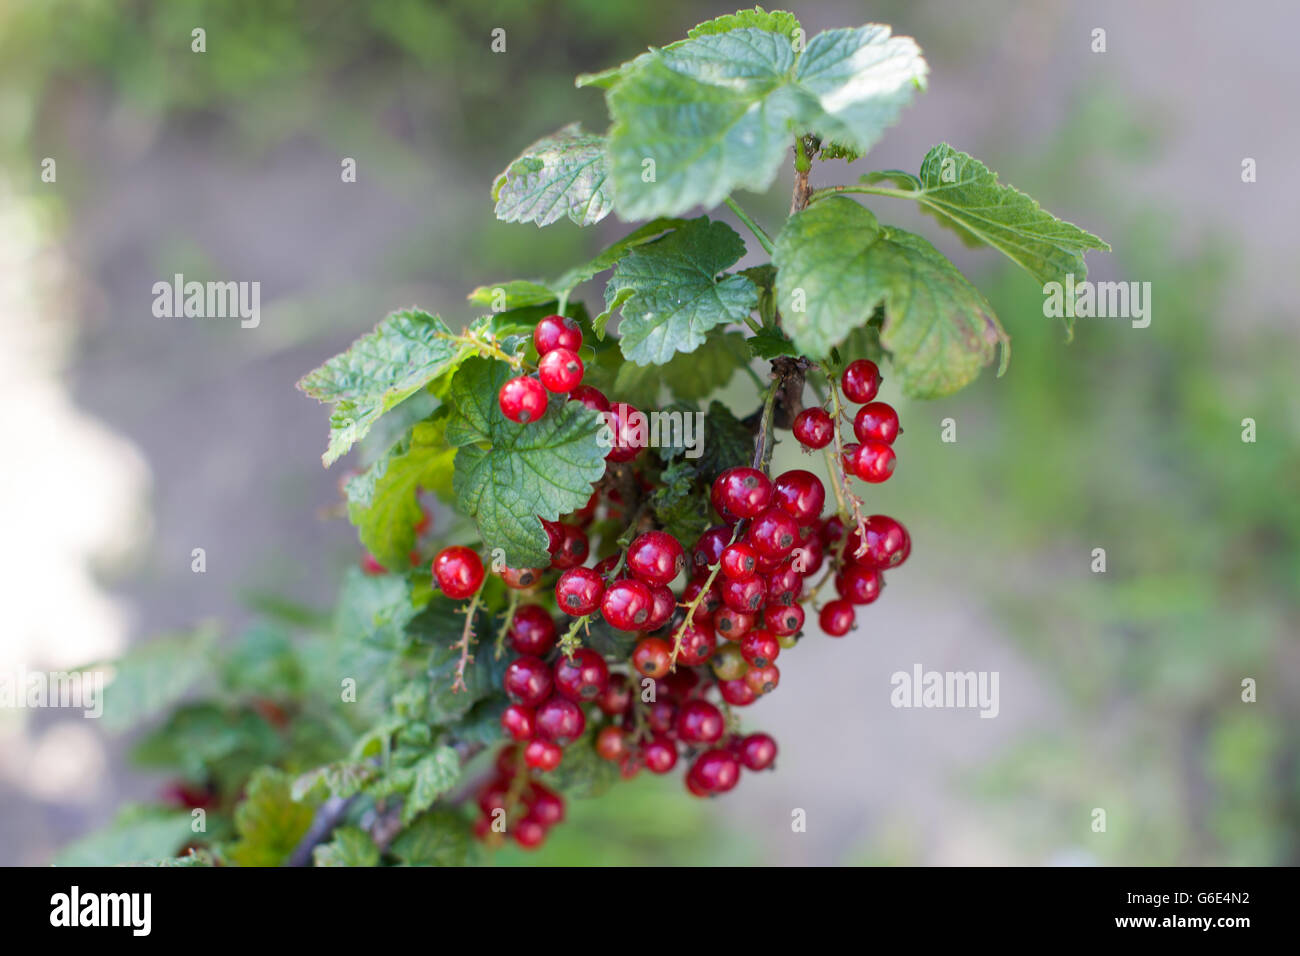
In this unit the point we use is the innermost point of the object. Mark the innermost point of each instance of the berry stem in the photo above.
(466, 641)
(763, 238)
(841, 476)
(485, 344)
(507, 619)
(697, 600)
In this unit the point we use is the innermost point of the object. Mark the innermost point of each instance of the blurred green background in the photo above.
(1120, 690)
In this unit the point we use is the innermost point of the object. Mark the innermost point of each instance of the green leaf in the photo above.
(515, 294)
(437, 838)
(720, 111)
(559, 175)
(383, 502)
(375, 609)
(681, 507)
(965, 194)
(435, 774)
(136, 833)
(608, 642)
(343, 778)
(843, 264)
(610, 256)
(269, 821)
(727, 442)
(689, 377)
(405, 352)
(509, 475)
(152, 677)
(770, 342)
(676, 298)
(349, 846)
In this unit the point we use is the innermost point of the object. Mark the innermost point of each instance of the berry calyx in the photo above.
(759, 648)
(458, 571)
(556, 332)
(783, 619)
(813, 428)
(652, 657)
(560, 370)
(739, 562)
(860, 381)
(522, 399)
(876, 421)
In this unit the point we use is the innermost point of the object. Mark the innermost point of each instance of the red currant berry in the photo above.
(858, 584)
(522, 399)
(560, 719)
(557, 332)
(652, 657)
(708, 549)
(529, 834)
(739, 561)
(560, 370)
(521, 579)
(605, 567)
(887, 543)
(728, 663)
(611, 743)
(545, 805)
(737, 693)
(542, 754)
(761, 680)
(656, 557)
(747, 596)
(709, 603)
(571, 548)
(773, 534)
(741, 492)
(519, 722)
(593, 398)
(699, 722)
(626, 605)
(458, 571)
(628, 426)
(800, 494)
(715, 771)
(860, 381)
(838, 618)
(697, 644)
(813, 428)
(807, 557)
(659, 754)
(876, 422)
(630, 765)
(661, 716)
(731, 624)
(874, 462)
(832, 530)
(528, 680)
(583, 677)
(663, 604)
(759, 648)
(616, 697)
(783, 619)
(370, 564)
(531, 630)
(849, 457)
(579, 591)
(784, 586)
(680, 684)
(757, 751)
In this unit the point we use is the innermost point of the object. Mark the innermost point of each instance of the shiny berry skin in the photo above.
(695, 788)
(860, 381)
(748, 596)
(458, 571)
(773, 534)
(528, 680)
(626, 605)
(739, 561)
(813, 428)
(656, 557)
(729, 663)
(520, 579)
(759, 648)
(662, 605)
(697, 645)
(652, 657)
(784, 585)
(858, 584)
(838, 618)
(560, 719)
(732, 625)
(579, 591)
(605, 567)
(611, 743)
(583, 677)
(566, 544)
(543, 754)
(519, 722)
(783, 619)
(849, 457)
(757, 751)
(529, 834)
(888, 543)
(809, 553)
(628, 426)
(832, 530)
(708, 549)
(522, 399)
(659, 754)
(560, 371)
(699, 722)
(737, 693)
(874, 462)
(593, 398)
(761, 680)
(661, 716)
(711, 601)
(616, 698)
(876, 421)
(532, 631)
(800, 494)
(715, 771)
(741, 493)
(680, 684)
(545, 805)
(556, 332)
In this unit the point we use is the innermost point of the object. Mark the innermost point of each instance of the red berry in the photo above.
(661, 716)
(849, 457)
(522, 399)
(616, 697)
(542, 754)
(731, 624)
(697, 644)
(528, 680)
(739, 561)
(757, 751)
(858, 584)
(628, 426)
(761, 680)
(741, 492)
(814, 428)
(680, 684)
(874, 462)
(860, 381)
(593, 398)
(582, 677)
(579, 591)
(611, 743)
(566, 543)
(626, 605)
(560, 719)
(557, 332)
(876, 422)
(521, 578)
(458, 571)
(800, 494)
(699, 722)
(560, 370)
(532, 631)
(715, 771)
(783, 619)
(652, 657)
(545, 805)
(737, 693)
(519, 722)
(656, 557)
(370, 564)
(773, 534)
(747, 596)
(888, 543)
(838, 618)
(663, 603)
(709, 603)
(659, 754)
(807, 557)
(605, 567)
(759, 648)
(529, 834)
(784, 585)
(708, 549)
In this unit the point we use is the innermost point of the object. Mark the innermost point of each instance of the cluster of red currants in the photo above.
(559, 370)
(875, 425)
(513, 802)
